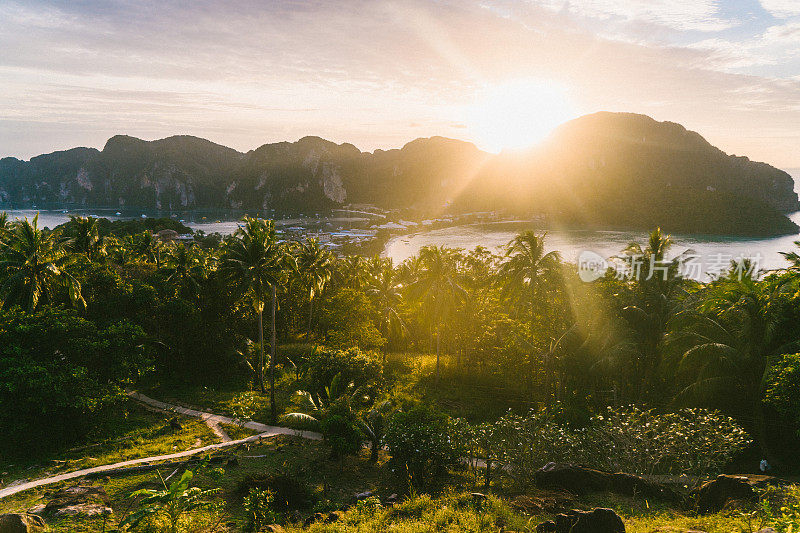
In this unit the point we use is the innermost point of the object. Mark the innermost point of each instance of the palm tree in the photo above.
(314, 269)
(793, 257)
(258, 264)
(386, 291)
(528, 272)
(33, 264)
(374, 425)
(729, 345)
(351, 272)
(5, 223)
(148, 247)
(656, 287)
(86, 239)
(185, 267)
(438, 289)
(122, 251)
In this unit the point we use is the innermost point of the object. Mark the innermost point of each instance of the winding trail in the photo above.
(264, 431)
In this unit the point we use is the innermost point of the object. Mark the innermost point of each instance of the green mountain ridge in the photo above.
(604, 169)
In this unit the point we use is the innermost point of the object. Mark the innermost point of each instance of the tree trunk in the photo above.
(373, 453)
(261, 351)
(437, 356)
(310, 311)
(272, 347)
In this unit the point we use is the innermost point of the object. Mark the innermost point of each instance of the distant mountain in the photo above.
(605, 169)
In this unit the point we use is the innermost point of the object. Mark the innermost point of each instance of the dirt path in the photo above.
(264, 431)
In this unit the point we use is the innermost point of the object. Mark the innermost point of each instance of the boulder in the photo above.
(363, 495)
(316, 517)
(20, 523)
(581, 480)
(86, 500)
(550, 502)
(717, 494)
(598, 520)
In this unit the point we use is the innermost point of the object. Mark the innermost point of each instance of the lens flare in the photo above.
(517, 114)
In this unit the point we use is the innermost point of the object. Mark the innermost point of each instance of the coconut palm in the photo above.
(386, 292)
(5, 223)
(184, 267)
(528, 272)
(656, 288)
(122, 251)
(793, 257)
(255, 261)
(86, 237)
(374, 424)
(318, 403)
(33, 264)
(729, 345)
(314, 270)
(438, 290)
(149, 248)
(351, 272)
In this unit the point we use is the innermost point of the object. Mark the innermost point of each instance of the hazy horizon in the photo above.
(794, 172)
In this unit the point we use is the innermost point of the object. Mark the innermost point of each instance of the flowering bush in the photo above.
(690, 441)
(629, 439)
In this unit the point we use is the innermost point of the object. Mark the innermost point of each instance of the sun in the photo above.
(517, 114)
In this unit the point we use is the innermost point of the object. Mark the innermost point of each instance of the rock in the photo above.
(363, 495)
(581, 480)
(478, 499)
(37, 509)
(671, 529)
(767, 530)
(546, 527)
(317, 517)
(333, 516)
(717, 494)
(83, 500)
(598, 520)
(550, 502)
(20, 523)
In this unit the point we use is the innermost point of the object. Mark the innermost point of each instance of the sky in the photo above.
(380, 73)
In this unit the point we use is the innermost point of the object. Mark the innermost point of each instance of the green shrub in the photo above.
(60, 377)
(258, 506)
(423, 444)
(287, 492)
(341, 431)
(323, 364)
(783, 387)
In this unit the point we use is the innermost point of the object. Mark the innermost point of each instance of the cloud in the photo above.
(372, 72)
(782, 8)
(699, 15)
